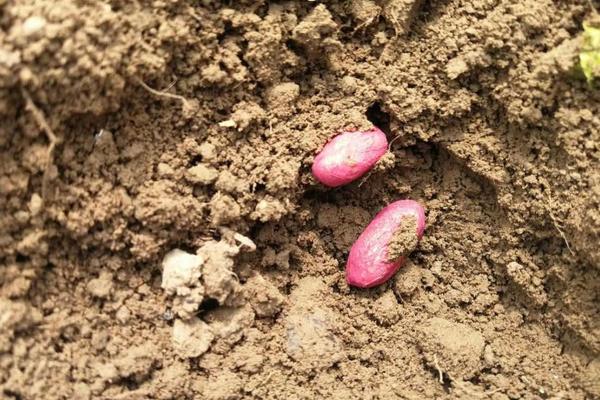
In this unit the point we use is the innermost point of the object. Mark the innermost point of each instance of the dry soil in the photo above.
(130, 128)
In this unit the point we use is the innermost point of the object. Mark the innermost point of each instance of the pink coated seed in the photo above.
(349, 156)
(368, 262)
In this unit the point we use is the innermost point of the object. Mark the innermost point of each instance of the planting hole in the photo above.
(379, 118)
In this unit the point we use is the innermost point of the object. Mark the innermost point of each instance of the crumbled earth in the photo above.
(404, 240)
(130, 129)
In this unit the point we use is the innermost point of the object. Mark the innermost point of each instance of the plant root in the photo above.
(560, 231)
(189, 107)
(53, 140)
(439, 370)
(555, 222)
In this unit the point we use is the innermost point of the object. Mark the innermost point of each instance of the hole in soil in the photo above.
(379, 118)
(208, 305)
(255, 230)
(130, 383)
(58, 348)
(291, 45)
(262, 10)
(227, 29)
(320, 196)
(287, 289)
(20, 258)
(13, 395)
(195, 160)
(216, 235)
(185, 247)
(259, 188)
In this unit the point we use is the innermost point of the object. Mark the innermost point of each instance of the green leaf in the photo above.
(589, 57)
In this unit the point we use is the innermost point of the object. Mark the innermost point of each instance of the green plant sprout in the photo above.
(589, 57)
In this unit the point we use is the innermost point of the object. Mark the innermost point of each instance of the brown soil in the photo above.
(129, 129)
(405, 239)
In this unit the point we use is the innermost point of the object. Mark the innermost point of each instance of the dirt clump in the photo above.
(451, 348)
(191, 338)
(311, 340)
(404, 240)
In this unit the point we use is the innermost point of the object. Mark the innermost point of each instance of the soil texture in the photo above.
(161, 235)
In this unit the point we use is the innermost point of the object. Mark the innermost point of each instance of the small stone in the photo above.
(229, 123)
(244, 241)
(33, 24)
(168, 315)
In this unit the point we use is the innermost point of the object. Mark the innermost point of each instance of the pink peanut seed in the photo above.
(369, 261)
(348, 156)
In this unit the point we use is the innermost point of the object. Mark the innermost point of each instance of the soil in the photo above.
(405, 239)
(130, 129)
